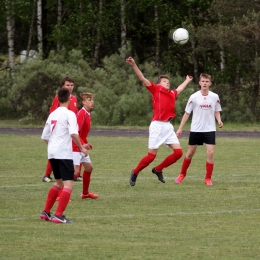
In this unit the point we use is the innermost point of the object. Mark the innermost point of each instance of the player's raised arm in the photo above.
(138, 72)
(184, 84)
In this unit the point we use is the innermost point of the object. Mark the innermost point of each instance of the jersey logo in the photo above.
(205, 106)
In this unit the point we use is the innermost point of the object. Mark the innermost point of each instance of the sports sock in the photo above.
(169, 160)
(85, 182)
(209, 170)
(48, 169)
(51, 198)
(185, 165)
(60, 191)
(145, 161)
(63, 201)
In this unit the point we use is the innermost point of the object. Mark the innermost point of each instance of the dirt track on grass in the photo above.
(120, 132)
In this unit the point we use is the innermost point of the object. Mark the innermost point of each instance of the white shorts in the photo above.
(79, 158)
(161, 133)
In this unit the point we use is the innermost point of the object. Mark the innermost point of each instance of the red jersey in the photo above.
(73, 104)
(84, 124)
(163, 102)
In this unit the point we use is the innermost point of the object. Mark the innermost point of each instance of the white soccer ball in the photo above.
(180, 36)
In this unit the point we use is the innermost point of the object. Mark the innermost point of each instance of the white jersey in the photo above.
(203, 108)
(59, 126)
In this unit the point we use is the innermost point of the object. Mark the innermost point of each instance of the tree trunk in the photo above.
(97, 45)
(157, 48)
(123, 30)
(39, 25)
(59, 22)
(10, 25)
(31, 29)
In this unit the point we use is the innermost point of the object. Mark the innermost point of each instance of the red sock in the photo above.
(51, 198)
(85, 182)
(169, 160)
(60, 191)
(209, 170)
(48, 169)
(63, 201)
(185, 165)
(145, 161)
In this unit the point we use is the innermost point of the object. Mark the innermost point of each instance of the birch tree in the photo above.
(10, 26)
(39, 25)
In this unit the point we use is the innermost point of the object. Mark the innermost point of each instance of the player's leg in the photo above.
(209, 164)
(150, 156)
(88, 168)
(67, 174)
(48, 171)
(53, 192)
(169, 138)
(209, 138)
(186, 163)
(77, 176)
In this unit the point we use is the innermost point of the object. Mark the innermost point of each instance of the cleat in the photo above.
(90, 195)
(46, 216)
(79, 178)
(132, 179)
(208, 182)
(58, 198)
(61, 219)
(47, 179)
(179, 179)
(159, 175)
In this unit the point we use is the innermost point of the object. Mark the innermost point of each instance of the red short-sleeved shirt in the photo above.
(73, 105)
(84, 124)
(163, 102)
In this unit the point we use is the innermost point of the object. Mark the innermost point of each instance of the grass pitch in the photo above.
(151, 220)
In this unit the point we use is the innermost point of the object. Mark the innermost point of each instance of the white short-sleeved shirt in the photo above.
(59, 126)
(203, 108)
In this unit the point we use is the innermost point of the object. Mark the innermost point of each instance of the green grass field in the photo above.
(151, 220)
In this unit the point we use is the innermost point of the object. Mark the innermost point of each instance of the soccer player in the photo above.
(205, 106)
(84, 125)
(59, 131)
(160, 130)
(67, 82)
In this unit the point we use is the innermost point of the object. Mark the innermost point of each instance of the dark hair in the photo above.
(63, 95)
(161, 77)
(69, 79)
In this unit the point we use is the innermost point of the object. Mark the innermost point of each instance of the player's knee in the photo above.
(178, 153)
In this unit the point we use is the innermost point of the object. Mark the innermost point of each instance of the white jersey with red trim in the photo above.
(58, 129)
(203, 108)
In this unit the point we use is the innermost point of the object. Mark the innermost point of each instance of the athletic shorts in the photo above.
(63, 169)
(198, 138)
(161, 133)
(79, 158)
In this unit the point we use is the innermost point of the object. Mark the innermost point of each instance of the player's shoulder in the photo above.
(213, 94)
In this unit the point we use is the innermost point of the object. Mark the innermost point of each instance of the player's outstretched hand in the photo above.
(130, 61)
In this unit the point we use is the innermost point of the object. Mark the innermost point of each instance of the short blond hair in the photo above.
(206, 76)
(84, 96)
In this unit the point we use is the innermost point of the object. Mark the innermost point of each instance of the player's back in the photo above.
(62, 123)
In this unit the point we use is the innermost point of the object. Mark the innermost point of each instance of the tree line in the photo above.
(224, 42)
